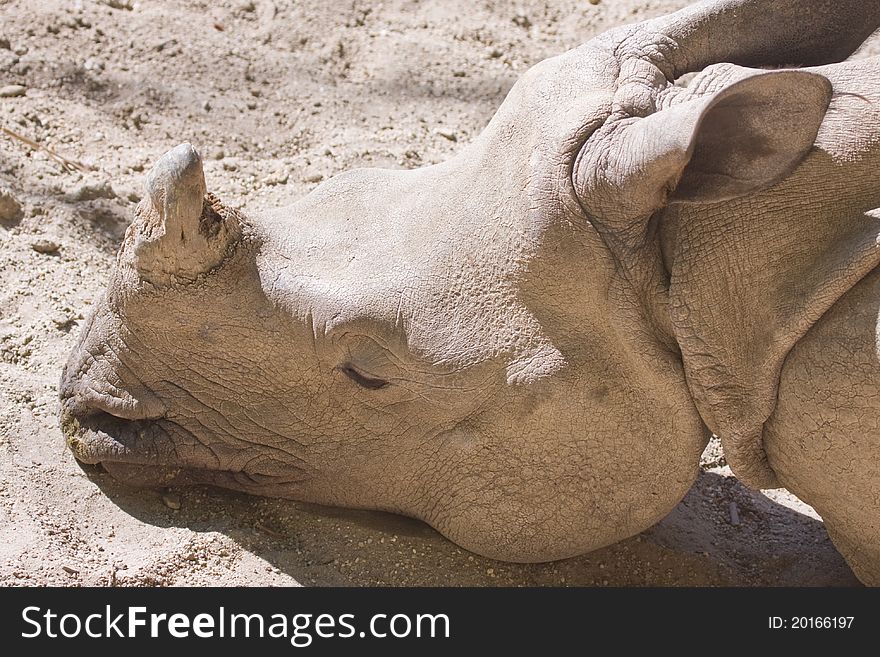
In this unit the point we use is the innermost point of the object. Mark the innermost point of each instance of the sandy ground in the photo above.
(277, 95)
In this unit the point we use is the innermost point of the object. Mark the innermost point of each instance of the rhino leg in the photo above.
(823, 440)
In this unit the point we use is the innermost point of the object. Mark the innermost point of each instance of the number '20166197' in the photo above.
(810, 622)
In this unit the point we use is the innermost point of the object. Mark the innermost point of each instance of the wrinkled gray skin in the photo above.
(528, 345)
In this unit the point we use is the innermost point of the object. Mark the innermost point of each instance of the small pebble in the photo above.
(49, 247)
(521, 20)
(171, 500)
(313, 177)
(62, 321)
(128, 193)
(277, 178)
(119, 4)
(89, 191)
(12, 90)
(734, 514)
(9, 205)
(447, 134)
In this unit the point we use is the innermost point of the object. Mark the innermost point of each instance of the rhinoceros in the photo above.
(528, 346)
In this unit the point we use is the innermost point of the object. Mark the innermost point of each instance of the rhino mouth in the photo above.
(130, 450)
(153, 453)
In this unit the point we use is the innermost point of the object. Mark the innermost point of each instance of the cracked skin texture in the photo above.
(824, 436)
(524, 346)
(787, 330)
(481, 428)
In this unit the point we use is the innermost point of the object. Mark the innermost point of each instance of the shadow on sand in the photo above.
(702, 542)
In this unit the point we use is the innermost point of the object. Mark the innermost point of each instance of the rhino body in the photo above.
(528, 346)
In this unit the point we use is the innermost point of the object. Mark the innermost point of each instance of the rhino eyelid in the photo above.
(363, 381)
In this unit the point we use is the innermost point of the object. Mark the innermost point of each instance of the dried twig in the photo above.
(260, 527)
(68, 165)
(734, 514)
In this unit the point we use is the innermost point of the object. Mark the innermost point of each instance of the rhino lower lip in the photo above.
(99, 437)
(127, 449)
(96, 446)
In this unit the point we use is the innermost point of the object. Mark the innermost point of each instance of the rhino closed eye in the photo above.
(362, 380)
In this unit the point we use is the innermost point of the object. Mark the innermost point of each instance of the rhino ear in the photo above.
(742, 139)
(750, 135)
(740, 286)
(183, 231)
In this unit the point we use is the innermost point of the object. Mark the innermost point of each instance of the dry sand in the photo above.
(277, 95)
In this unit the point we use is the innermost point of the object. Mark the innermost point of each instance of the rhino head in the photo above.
(494, 344)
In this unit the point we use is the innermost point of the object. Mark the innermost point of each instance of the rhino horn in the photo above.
(184, 232)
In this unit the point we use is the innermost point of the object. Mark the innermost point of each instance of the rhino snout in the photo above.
(101, 418)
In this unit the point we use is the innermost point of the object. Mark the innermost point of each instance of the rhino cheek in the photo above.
(543, 485)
